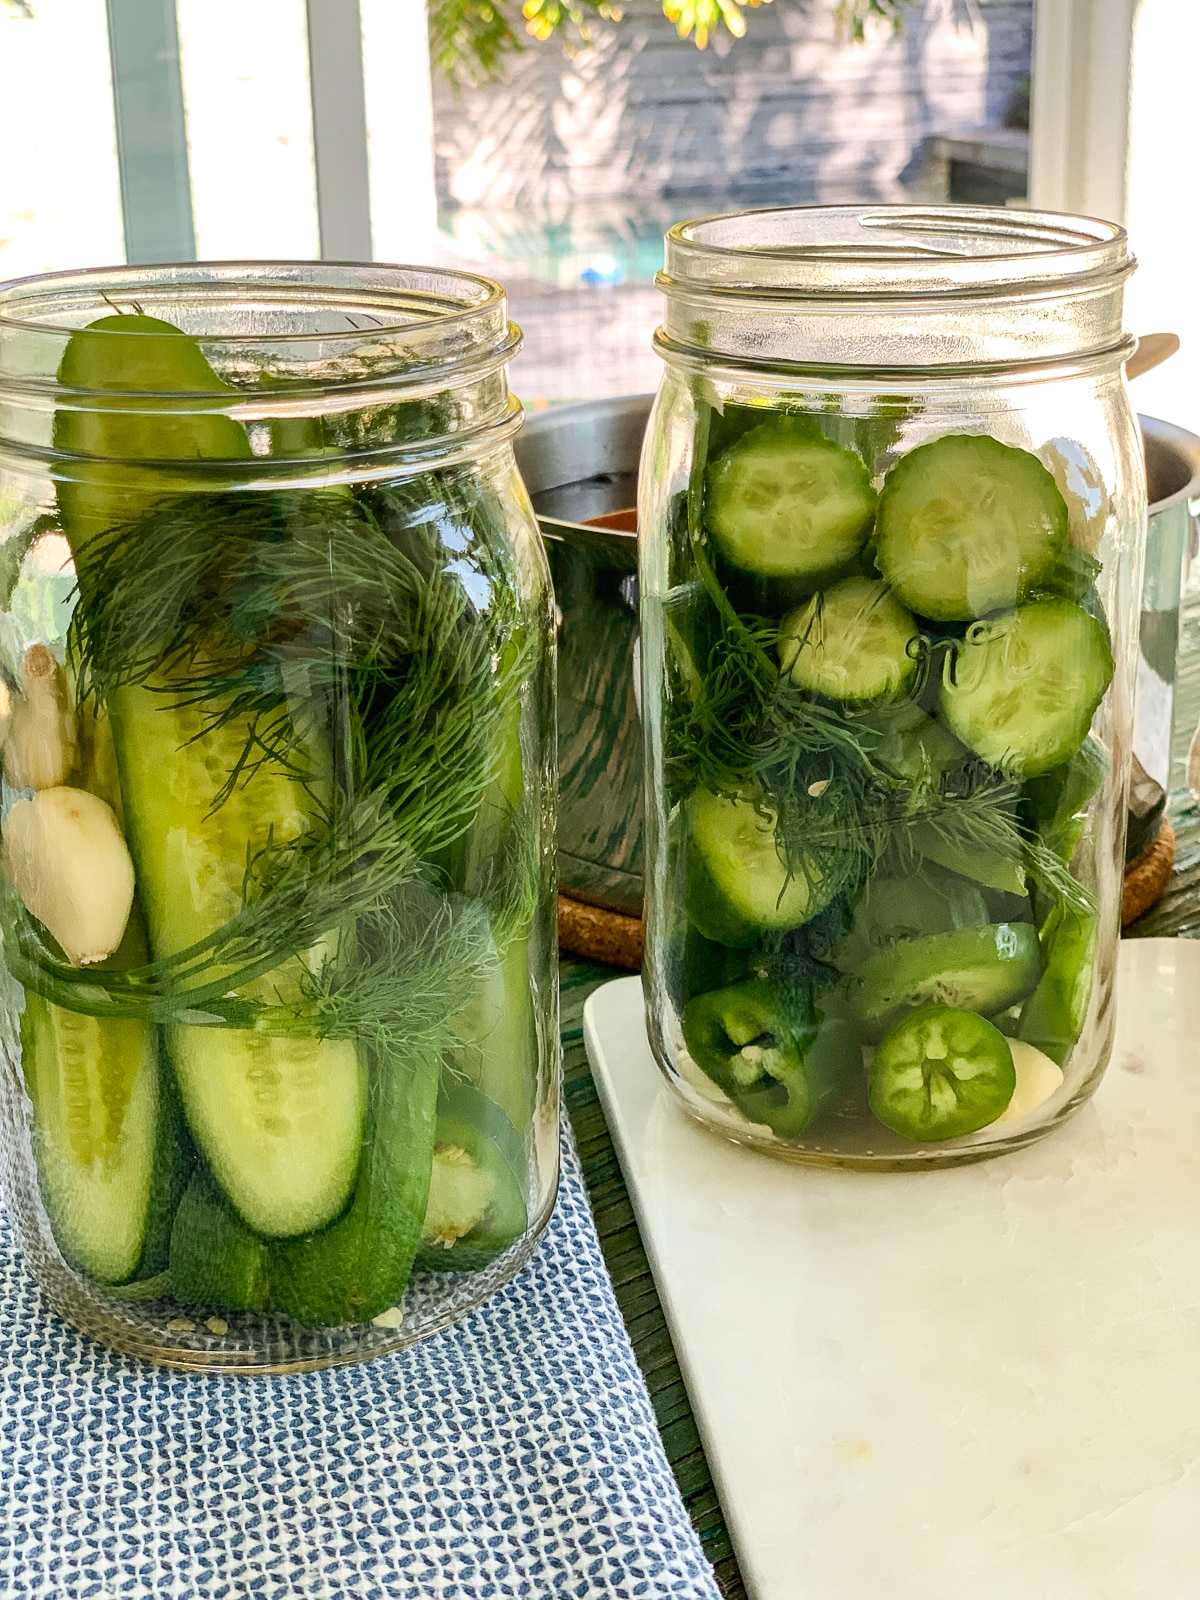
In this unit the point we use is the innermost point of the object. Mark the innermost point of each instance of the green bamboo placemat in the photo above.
(630, 1271)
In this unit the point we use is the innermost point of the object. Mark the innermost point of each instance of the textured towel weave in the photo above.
(513, 1455)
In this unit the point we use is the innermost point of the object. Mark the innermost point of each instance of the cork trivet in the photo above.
(616, 521)
(601, 935)
(1147, 875)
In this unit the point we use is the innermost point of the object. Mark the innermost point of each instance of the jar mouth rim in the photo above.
(338, 284)
(282, 338)
(892, 250)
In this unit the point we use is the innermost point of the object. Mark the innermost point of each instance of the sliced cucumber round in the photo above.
(853, 642)
(739, 885)
(1023, 687)
(985, 969)
(784, 502)
(968, 525)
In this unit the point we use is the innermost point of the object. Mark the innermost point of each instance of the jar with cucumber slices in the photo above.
(892, 514)
(278, 993)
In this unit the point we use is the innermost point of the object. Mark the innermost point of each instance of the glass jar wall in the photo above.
(279, 991)
(892, 513)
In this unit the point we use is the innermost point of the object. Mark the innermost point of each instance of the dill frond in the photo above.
(385, 616)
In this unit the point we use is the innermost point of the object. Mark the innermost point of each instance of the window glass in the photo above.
(60, 192)
(1163, 221)
(399, 103)
(245, 89)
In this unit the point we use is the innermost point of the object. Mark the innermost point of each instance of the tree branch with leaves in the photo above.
(471, 40)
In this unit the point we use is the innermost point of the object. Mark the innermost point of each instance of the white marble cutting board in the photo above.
(980, 1384)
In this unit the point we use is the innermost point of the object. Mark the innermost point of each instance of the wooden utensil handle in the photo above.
(1152, 350)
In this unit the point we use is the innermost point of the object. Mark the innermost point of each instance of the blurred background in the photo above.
(551, 147)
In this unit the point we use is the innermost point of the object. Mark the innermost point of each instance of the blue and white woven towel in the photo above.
(514, 1455)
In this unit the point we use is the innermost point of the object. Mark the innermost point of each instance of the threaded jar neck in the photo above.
(894, 288)
(408, 362)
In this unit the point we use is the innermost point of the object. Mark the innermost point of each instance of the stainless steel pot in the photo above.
(1173, 481)
(580, 463)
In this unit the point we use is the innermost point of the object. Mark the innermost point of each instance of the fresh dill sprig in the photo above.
(737, 724)
(389, 616)
(261, 609)
(293, 894)
(984, 822)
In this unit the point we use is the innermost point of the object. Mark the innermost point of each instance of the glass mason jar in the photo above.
(279, 998)
(892, 513)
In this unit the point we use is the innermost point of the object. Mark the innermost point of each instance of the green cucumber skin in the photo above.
(215, 1259)
(704, 964)
(142, 354)
(278, 1119)
(853, 642)
(1056, 802)
(347, 1272)
(888, 911)
(983, 968)
(1054, 1015)
(99, 1202)
(991, 868)
(709, 912)
(496, 1032)
(359, 1266)
(729, 860)
(174, 1162)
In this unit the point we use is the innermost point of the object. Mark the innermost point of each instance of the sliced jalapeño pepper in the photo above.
(476, 1196)
(1057, 801)
(983, 969)
(941, 1073)
(1053, 1016)
(753, 1047)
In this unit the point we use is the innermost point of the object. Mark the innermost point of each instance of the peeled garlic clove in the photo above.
(1037, 1079)
(65, 856)
(39, 746)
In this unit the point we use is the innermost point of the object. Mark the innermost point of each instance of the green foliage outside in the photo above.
(471, 39)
